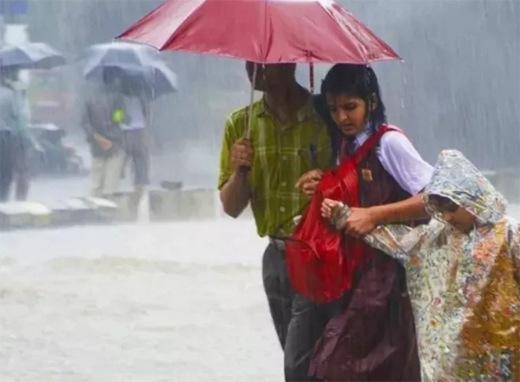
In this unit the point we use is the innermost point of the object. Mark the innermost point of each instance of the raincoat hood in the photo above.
(457, 179)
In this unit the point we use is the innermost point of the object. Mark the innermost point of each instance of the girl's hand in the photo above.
(360, 222)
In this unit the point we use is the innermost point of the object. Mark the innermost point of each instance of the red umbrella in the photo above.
(262, 31)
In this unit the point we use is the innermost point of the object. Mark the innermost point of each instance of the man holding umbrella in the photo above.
(103, 115)
(288, 138)
(142, 77)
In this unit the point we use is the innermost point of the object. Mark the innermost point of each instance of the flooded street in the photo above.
(140, 302)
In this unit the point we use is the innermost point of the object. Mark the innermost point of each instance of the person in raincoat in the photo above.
(14, 140)
(103, 115)
(463, 274)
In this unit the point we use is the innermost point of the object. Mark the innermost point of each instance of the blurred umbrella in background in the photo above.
(139, 66)
(31, 55)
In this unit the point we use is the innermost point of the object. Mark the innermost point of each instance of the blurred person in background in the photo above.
(102, 119)
(14, 140)
(136, 131)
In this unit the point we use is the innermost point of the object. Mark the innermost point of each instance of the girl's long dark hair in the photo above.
(357, 81)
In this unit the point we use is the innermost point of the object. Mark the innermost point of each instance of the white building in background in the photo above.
(15, 34)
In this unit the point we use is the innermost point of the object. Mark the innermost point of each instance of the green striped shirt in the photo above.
(282, 155)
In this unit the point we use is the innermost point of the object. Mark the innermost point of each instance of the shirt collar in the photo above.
(363, 135)
(302, 114)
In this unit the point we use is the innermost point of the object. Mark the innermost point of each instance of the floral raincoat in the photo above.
(464, 287)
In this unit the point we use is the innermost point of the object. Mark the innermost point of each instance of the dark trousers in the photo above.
(277, 286)
(306, 327)
(6, 164)
(299, 323)
(13, 162)
(136, 149)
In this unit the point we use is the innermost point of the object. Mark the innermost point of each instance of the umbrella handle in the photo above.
(252, 99)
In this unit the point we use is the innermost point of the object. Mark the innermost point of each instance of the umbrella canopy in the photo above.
(32, 55)
(262, 31)
(138, 64)
(115, 54)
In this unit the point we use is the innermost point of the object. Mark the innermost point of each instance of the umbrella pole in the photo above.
(251, 101)
(311, 77)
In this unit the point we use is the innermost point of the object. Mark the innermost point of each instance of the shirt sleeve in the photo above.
(404, 163)
(226, 168)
